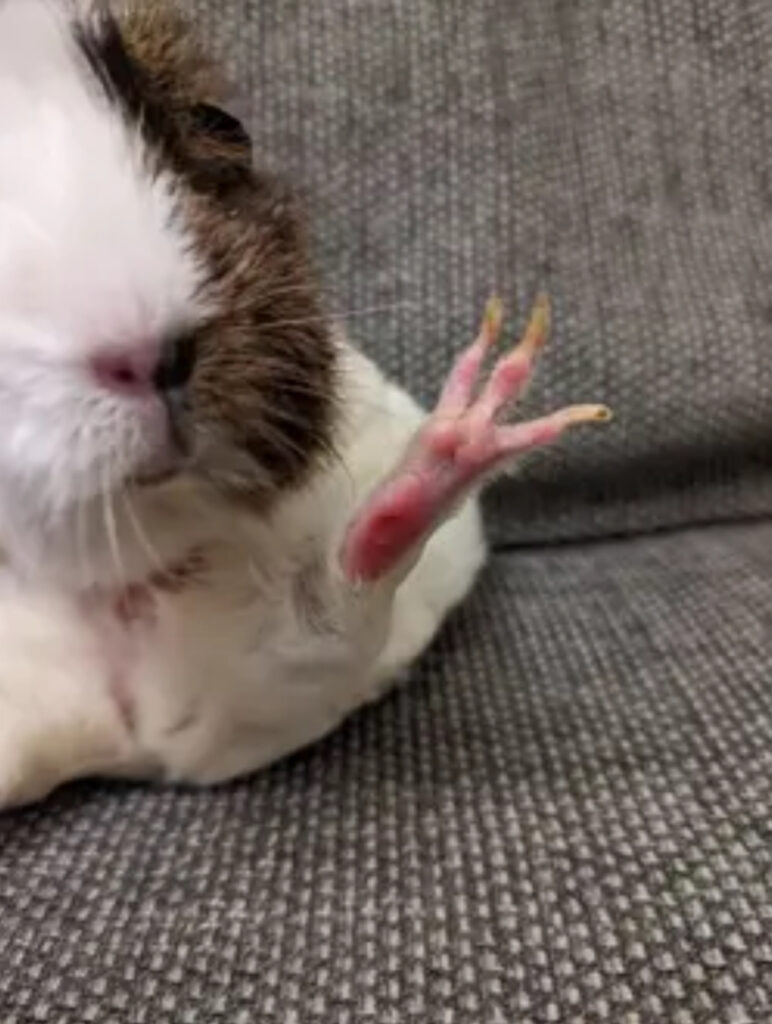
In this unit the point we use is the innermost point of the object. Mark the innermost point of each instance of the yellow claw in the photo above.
(538, 327)
(588, 414)
(493, 319)
(536, 332)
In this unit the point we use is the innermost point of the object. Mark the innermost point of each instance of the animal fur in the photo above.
(131, 220)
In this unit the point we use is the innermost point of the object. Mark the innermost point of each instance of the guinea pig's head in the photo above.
(158, 313)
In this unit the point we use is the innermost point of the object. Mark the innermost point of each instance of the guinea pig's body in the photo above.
(236, 638)
(223, 528)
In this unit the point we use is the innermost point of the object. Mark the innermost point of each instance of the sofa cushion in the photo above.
(564, 817)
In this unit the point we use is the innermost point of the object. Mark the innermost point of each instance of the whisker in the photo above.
(294, 381)
(111, 530)
(348, 314)
(269, 292)
(81, 545)
(283, 444)
(278, 440)
(139, 530)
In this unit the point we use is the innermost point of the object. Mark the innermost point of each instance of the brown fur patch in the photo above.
(164, 43)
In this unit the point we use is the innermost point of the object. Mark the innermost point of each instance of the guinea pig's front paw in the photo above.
(460, 446)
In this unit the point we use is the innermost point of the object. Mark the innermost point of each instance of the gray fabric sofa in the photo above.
(565, 817)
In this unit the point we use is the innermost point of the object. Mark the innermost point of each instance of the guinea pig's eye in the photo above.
(178, 358)
(219, 124)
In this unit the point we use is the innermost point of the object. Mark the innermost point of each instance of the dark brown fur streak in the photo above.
(265, 381)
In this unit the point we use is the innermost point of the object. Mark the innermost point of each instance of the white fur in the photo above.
(272, 648)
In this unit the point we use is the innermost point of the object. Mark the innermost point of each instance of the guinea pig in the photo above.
(222, 528)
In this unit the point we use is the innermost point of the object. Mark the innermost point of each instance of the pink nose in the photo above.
(124, 372)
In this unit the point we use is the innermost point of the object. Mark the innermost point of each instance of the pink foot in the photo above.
(459, 447)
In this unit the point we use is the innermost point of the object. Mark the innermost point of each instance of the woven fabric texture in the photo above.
(565, 818)
(616, 152)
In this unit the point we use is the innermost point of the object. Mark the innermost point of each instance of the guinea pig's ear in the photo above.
(184, 79)
(221, 126)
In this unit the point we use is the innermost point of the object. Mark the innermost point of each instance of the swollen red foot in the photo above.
(460, 445)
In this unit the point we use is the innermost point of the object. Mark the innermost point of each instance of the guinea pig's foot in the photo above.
(459, 447)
